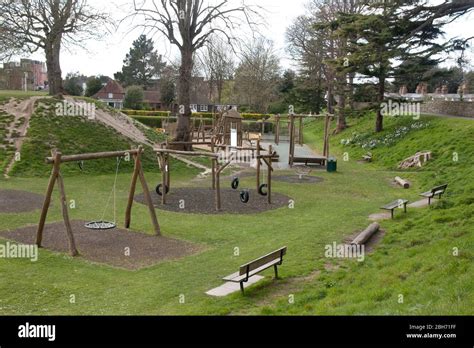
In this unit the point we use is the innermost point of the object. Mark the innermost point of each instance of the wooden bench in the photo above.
(435, 191)
(250, 269)
(310, 159)
(396, 204)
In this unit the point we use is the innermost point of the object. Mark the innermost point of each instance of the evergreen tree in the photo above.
(141, 64)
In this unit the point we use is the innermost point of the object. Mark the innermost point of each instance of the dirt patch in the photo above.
(380, 216)
(108, 246)
(295, 179)
(201, 201)
(12, 201)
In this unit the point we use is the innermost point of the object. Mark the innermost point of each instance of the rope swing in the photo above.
(103, 224)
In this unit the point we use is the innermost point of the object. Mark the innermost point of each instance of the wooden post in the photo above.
(218, 191)
(213, 165)
(300, 131)
(146, 194)
(62, 192)
(163, 178)
(292, 140)
(47, 198)
(131, 193)
(269, 176)
(258, 164)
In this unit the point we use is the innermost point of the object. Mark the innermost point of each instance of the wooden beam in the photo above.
(47, 198)
(148, 200)
(186, 153)
(92, 156)
(70, 236)
(131, 193)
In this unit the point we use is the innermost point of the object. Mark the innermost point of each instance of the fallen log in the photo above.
(365, 235)
(405, 184)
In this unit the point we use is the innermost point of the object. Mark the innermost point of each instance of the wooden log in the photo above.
(365, 235)
(405, 184)
(92, 156)
(47, 198)
(70, 236)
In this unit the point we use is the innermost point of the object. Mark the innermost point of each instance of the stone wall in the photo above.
(444, 107)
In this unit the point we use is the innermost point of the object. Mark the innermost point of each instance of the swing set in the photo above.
(57, 159)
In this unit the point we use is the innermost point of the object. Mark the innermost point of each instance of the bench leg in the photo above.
(429, 200)
(276, 271)
(391, 213)
(242, 287)
(405, 207)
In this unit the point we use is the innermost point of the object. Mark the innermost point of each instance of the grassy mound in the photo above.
(424, 264)
(73, 135)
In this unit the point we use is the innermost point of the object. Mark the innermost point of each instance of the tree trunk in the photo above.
(52, 51)
(341, 102)
(184, 97)
(380, 99)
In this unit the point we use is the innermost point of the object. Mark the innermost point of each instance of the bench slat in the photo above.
(237, 278)
(275, 255)
(394, 204)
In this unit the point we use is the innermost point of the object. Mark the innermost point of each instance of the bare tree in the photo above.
(33, 25)
(257, 75)
(218, 65)
(188, 25)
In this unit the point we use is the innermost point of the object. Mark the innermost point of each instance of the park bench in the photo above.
(250, 269)
(396, 204)
(435, 191)
(321, 160)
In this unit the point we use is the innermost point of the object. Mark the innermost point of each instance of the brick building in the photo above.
(14, 74)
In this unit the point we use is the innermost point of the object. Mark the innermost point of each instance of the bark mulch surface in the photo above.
(295, 179)
(201, 201)
(108, 246)
(12, 201)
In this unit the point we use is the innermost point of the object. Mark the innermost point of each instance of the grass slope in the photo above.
(73, 135)
(414, 259)
(424, 265)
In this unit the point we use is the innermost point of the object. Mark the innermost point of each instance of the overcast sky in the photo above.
(106, 57)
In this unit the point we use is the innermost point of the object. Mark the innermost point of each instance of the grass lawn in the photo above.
(415, 258)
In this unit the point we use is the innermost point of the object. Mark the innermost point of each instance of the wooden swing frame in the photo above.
(57, 159)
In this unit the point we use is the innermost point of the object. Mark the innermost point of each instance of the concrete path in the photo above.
(230, 287)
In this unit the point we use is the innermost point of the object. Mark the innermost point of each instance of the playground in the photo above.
(124, 248)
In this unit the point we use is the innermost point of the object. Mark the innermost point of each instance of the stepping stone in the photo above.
(419, 204)
(231, 287)
(380, 216)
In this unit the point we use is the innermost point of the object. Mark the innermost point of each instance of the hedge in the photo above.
(246, 116)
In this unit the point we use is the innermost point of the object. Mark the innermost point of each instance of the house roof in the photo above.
(111, 87)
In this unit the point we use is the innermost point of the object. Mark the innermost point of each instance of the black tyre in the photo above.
(262, 190)
(159, 192)
(244, 196)
(235, 183)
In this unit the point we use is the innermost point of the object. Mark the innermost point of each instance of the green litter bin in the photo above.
(332, 165)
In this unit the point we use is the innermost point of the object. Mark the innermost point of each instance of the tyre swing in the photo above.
(244, 196)
(103, 224)
(159, 190)
(235, 183)
(263, 188)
